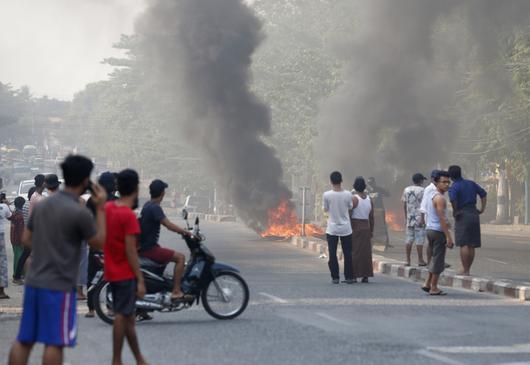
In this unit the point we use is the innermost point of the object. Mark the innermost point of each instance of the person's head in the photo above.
(434, 173)
(19, 202)
(31, 191)
(52, 182)
(39, 181)
(442, 181)
(157, 189)
(3, 197)
(128, 181)
(76, 172)
(455, 172)
(108, 181)
(359, 184)
(418, 179)
(336, 178)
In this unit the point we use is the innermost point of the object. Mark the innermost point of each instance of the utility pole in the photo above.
(304, 194)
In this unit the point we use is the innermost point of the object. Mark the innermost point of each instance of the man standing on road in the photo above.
(5, 213)
(463, 195)
(151, 217)
(37, 194)
(55, 230)
(17, 228)
(122, 268)
(412, 199)
(377, 193)
(52, 184)
(438, 233)
(338, 202)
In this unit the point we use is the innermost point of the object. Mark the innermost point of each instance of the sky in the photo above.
(56, 46)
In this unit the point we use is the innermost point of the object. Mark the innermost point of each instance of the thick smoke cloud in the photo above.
(199, 54)
(389, 117)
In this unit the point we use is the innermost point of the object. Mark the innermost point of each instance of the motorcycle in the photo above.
(220, 287)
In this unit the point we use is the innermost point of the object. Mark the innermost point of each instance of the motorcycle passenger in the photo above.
(151, 217)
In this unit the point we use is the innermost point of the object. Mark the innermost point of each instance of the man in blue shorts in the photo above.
(55, 231)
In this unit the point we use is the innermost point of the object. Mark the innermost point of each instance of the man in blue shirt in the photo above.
(463, 195)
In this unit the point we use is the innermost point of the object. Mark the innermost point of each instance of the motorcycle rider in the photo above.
(151, 217)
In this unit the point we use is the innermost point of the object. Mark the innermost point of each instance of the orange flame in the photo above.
(283, 222)
(392, 221)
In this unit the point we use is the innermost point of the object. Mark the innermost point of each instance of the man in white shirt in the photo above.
(5, 213)
(338, 203)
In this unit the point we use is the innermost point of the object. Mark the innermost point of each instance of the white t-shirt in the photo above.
(337, 204)
(5, 213)
(427, 196)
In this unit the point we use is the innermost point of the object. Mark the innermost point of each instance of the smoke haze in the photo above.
(199, 53)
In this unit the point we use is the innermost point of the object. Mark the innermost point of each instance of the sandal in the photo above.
(183, 298)
(426, 289)
(423, 264)
(439, 293)
(89, 315)
(4, 296)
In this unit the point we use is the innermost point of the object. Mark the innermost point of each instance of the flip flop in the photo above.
(90, 315)
(4, 296)
(407, 265)
(183, 298)
(439, 293)
(425, 289)
(422, 264)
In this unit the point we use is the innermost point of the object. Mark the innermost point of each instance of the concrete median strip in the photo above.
(450, 279)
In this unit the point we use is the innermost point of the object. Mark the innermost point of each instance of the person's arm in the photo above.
(355, 202)
(483, 202)
(173, 227)
(99, 197)
(132, 257)
(325, 204)
(371, 218)
(440, 205)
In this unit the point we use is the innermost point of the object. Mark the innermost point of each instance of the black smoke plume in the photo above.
(390, 116)
(199, 55)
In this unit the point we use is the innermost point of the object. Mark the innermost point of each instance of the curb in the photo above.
(397, 269)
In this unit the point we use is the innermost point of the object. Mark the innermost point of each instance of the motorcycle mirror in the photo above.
(184, 214)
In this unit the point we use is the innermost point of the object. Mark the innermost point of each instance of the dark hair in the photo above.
(19, 202)
(335, 178)
(76, 168)
(359, 185)
(31, 191)
(441, 174)
(39, 180)
(455, 172)
(128, 181)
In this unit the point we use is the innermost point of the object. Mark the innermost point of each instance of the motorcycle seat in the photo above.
(148, 263)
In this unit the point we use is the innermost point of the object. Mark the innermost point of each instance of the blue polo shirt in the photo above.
(463, 193)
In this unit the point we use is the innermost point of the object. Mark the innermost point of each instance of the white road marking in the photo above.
(438, 357)
(514, 349)
(332, 319)
(516, 363)
(274, 298)
(497, 261)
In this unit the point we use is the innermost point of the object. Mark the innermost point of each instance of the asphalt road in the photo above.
(503, 255)
(296, 316)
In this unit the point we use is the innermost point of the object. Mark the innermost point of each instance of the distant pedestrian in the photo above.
(52, 184)
(463, 195)
(427, 196)
(337, 203)
(49, 311)
(26, 251)
(362, 222)
(438, 232)
(415, 234)
(122, 268)
(5, 213)
(17, 228)
(39, 189)
(107, 180)
(377, 193)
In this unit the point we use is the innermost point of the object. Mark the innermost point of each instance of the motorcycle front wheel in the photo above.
(225, 297)
(102, 301)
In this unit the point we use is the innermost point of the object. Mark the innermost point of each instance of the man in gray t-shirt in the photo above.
(55, 230)
(337, 203)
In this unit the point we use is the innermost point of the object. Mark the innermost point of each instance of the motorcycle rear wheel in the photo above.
(235, 298)
(103, 302)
